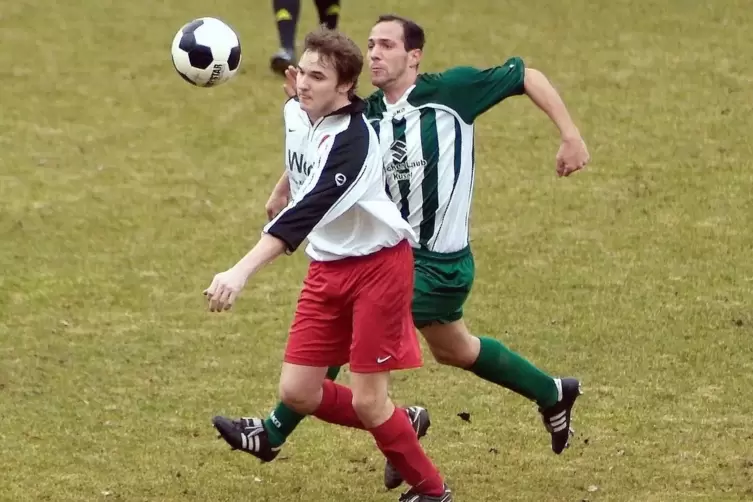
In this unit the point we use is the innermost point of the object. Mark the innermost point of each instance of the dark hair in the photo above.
(340, 51)
(413, 34)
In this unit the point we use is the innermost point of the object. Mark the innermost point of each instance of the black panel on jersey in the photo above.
(342, 170)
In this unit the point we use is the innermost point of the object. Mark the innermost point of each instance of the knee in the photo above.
(365, 404)
(372, 406)
(454, 348)
(298, 398)
(442, 355)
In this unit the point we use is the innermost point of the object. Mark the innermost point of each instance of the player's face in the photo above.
(317, 85)
(388, 59)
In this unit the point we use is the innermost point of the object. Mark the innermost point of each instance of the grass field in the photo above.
(123, 190)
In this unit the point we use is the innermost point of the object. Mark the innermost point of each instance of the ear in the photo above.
(345, 87)
(414, 57)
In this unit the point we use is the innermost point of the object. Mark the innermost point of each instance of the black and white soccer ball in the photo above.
(206, 52)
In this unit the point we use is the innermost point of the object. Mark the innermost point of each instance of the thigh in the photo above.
(442, 286)
(384, 338)
(320, 334)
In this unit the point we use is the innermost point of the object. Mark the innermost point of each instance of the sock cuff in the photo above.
(488, 351)
(391, 426)
(329, 395)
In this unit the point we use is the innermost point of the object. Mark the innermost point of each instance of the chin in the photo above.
(377, 81)
(312, 111)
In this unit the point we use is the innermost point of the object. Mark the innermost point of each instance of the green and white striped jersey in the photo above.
(427, 144)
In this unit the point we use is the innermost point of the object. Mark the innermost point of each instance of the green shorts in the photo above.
(442, 284)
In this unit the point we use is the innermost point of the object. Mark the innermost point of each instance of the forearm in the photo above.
(545, 96)
(267, 249)
(283, 185)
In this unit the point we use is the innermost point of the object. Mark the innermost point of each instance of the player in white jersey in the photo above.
(425, 124)
(361, 270)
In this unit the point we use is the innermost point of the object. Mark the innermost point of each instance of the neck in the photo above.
(396, 89)
(336, 105)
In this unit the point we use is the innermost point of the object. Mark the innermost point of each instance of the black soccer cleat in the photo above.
(281, 60)
(246, 434)
(411, 496)
(557, 417)
(419, 418)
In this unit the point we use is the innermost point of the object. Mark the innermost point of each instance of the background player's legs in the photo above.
(329, 12)
(442, 285)
(490, 359)
(286, 13)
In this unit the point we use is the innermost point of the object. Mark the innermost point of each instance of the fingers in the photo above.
(220, 300)
(561, 166)
(231, 300)
(221, 296)
(212, 288)
(568, 164)
(568, 170)
(289, 85)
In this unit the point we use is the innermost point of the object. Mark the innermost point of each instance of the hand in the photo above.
(572, 156)
(289, 86)
(225, 288)
(275, 204)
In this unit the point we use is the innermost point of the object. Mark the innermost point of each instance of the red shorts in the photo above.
(357, 311)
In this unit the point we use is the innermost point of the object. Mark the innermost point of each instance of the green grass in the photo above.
(123, 190)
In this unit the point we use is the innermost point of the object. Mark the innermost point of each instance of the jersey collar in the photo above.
(357, 105)
(401, 101)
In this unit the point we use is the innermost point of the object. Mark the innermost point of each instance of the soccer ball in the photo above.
(206, 52)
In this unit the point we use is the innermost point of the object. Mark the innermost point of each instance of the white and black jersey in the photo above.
(337, 185)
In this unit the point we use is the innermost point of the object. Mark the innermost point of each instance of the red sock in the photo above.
(337, 406)
(397, 440)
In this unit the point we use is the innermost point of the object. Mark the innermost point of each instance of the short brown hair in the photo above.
(340, 51)
(413, 34)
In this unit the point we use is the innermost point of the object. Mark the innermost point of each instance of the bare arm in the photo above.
(279, 197)
(227, 285)
(545, 96)
(282, 188)
(573, 154)
(266, 250)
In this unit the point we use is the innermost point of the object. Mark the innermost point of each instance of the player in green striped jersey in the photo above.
(425, 124)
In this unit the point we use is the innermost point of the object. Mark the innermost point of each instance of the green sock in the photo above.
(498, 364)
(282, 421)
(332, 372)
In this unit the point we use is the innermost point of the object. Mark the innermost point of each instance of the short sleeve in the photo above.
(472, 91)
